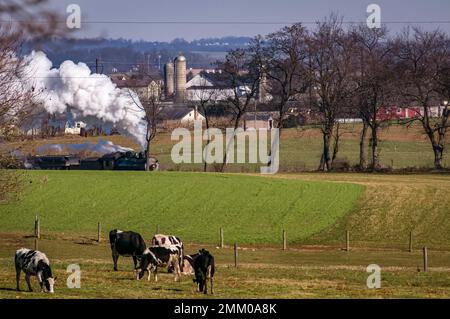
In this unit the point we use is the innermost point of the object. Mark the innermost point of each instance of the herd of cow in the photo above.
(165, 250)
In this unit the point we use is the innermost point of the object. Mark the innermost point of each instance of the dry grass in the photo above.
(262, 273)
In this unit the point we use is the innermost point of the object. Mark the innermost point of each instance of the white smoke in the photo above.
(73, 88)
(102, 147)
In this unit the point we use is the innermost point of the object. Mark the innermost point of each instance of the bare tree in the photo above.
(150, 108)
(330, 69)
(422, 79)
(31, 19)
(284, 61)
(374, 79)
(16, 98)
(241, 73)
(204, 98)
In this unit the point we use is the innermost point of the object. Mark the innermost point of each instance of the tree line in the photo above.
(337, 71)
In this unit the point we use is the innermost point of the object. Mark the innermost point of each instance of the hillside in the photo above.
(192, 205)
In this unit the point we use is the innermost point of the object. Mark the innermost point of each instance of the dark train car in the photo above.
(55, 162)
(128, 161)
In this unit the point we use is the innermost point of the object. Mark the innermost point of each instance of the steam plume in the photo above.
(92, 97)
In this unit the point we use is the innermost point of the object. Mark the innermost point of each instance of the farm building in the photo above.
(179, 116)
(203, 86)
(145, 86)
(258, 120)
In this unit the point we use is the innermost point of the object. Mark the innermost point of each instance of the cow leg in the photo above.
(18, 270)
(135, 261)
(209, 276)
(115, 258)
(205, 288)
(177, 271)
(149, 275)
(156, 274)
(27, 278)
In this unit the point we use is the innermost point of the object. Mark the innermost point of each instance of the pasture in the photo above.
(300, 148)
(316, 209)
(301, 272)
(194, 206)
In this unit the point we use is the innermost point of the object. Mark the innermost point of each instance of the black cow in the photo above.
(159, 256)
(34, 263)
(126, 243)
(204, 269)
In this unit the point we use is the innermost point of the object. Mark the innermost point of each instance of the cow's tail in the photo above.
(112, 237)
(212, 265)
(182, 257)
(143, 247)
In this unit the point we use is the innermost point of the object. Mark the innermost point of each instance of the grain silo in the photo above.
(168, 79)
(180, 79)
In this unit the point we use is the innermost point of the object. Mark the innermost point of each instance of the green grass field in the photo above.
(192, 205)
(315, 209)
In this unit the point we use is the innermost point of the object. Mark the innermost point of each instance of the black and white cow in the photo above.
(126, 243)
(204, 269)
(188, 264)
(159, 256)
(170, 241)
(34, 263)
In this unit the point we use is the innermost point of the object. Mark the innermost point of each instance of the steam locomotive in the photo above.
(125, 161)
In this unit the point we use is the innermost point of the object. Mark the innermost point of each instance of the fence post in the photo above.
(347, 240)
(284, 240)
(36, 245)
(235, 255)
(221, 237)
(157, 229)
(425, 259)
(37, 227)
(99, 231)
(410, 242)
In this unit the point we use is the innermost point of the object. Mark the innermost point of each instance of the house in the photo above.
(179, 116)
(204, 86)
(64, 124)
(401, 113)
(74, 127)
(147, 87)
(258, 120)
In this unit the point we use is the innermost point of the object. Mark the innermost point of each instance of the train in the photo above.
(125, 161)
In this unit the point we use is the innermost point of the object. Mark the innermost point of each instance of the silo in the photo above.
(180, 79)
(168, 79)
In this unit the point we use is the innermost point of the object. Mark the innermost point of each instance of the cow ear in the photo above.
(54, 279)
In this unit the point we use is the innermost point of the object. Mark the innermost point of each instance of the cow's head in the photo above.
(46, 276)
(49, 284)
(147, 262)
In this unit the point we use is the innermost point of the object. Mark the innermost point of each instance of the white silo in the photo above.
(180, 79)
(169, 80)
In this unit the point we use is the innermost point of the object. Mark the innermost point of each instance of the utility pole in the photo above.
(98, 65)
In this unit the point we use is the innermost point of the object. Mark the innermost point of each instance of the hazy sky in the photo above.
(103, 15)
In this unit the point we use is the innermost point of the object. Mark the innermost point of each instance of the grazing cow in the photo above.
(169, 241)
(126, 243)
(34, 263)
(204, 269)
(159, 256)
(188, 264)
